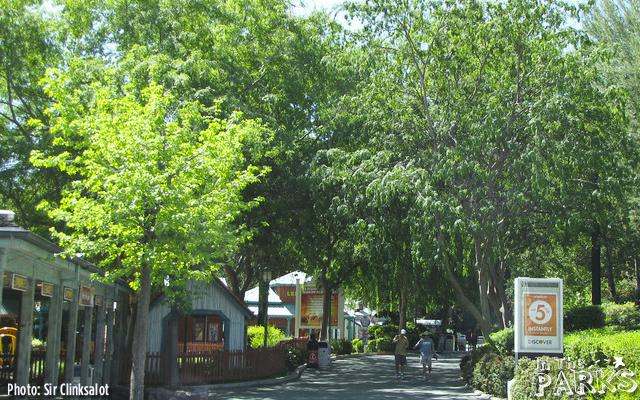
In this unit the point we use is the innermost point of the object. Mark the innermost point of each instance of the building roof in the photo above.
(252, 296)
(274, 311)
(290, 279)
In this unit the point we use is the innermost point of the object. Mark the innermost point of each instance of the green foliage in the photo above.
(469, 362)
(492, 374)
(600, 346)
(626, 316)
(503, 341)
(487, 370)
(583, 317)
(384, 344)
(358, 345)
(295, 357)
(255, 336)
(594, 350)
(383, 331)
(341, 346)
(372, 346)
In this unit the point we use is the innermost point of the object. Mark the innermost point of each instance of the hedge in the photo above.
(489, 369)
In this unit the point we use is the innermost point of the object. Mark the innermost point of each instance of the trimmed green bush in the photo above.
(583, 317)
(341, 346)
(384, 344)
(504, 341)
(593, 350)
(295, 357)
(358, 345)
(487, 370)
(492, 374)
(626, 315)
(372, 346)
(255, 336)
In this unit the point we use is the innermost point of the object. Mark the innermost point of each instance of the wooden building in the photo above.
(218, 320)
(42, 294)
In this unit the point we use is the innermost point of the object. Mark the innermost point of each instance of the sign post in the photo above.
(538, 317)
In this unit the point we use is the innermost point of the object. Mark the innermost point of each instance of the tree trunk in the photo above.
(140, 335)
(326, 303)
(611, 281)
(637, 270)
(403, 307)
(444, 323)
(174, 320)
(596, 268)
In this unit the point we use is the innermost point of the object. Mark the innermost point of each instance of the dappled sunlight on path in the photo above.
(368, 377)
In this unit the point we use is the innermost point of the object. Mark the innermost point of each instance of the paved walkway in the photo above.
(369, 377)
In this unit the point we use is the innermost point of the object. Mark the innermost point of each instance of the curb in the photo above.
(203, 391)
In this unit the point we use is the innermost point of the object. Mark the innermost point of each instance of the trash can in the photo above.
(462, 343)
(77, 374)
(312, 352)
(324, 353)
(449, 343)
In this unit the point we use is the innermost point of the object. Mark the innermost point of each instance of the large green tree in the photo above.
(29, 44)
(499, 106)
(157, 183)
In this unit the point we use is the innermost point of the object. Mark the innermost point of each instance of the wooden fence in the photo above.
(36, 372)
(213, 366)
(210, 366)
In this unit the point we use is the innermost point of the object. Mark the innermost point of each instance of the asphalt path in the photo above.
(369, 377)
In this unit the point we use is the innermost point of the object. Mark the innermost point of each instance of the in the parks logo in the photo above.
(572, 378)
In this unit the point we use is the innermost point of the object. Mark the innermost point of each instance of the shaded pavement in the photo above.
(368, 377)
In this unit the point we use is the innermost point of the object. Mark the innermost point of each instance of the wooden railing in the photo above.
(200, 347)
(213, 366)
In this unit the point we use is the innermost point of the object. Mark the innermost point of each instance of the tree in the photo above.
(483, 99)
(157, 183)
(29, 44)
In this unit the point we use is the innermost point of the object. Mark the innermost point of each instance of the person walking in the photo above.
(401, 345)
(426, 347)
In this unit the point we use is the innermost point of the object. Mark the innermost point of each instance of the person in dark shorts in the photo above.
(402, 344)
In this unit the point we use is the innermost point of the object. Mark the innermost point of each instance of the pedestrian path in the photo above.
(369, 377)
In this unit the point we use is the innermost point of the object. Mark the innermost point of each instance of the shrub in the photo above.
(492, 373)
(528, 377)
(503, 341)
(624, 315)
(583, 318)
(382, 331)
(255, 336)
(600, 346)
(487, 370)
(372, 346)
(295, 357)
(384, 344)
(358, 345)
(341, 346)
(468, 362)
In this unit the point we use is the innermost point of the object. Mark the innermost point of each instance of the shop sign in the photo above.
(46, 289)
(19, 282)
(86, 296)
(68, 294)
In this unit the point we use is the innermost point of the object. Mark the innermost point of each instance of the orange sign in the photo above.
(540, 315)
(311, 312)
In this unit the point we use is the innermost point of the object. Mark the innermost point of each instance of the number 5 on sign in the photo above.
(539, 319)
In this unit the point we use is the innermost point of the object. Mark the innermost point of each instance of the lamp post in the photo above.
(263, 288)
